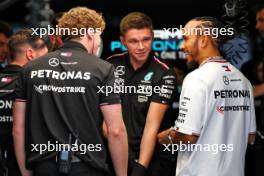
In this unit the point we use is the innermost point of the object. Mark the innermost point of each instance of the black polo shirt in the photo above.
(8, 78)
(61, 94)
(1, 68)
(135, 105)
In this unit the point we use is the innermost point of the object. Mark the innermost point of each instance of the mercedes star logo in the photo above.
(226, 80)
(120, 70)
(54, 62)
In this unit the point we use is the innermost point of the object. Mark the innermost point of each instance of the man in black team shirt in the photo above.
(23, 47)
(57, 109)
(143, 111)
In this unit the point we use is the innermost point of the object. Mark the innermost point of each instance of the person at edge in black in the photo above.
(258, 52)
(5, 33)
(58, 106)
(143, 110)
(23, 47)
(259, 49)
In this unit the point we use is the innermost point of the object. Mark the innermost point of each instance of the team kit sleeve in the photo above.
(252, 127)
(165, 89)
(108, 95)
(21, 87)
(192, 107)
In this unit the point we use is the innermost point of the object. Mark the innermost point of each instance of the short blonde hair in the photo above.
(81, 17)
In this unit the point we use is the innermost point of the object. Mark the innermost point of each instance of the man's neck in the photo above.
(16, 62)
(207, 55)
(136, 65)
(83, 42)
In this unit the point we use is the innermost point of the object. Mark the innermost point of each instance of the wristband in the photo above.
(170, 139)
(138, 170)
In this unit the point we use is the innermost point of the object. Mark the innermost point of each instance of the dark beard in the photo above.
(192, 65)
(261, 33)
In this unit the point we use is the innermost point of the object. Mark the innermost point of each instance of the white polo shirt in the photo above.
(216, 104)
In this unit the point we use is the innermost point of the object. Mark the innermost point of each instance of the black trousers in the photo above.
(50, 168)
(13, 169)
(254, 160)
(157, 167)
(9, 165)
(162, 167)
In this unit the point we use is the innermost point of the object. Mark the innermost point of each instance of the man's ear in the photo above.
(122, 40)
(89, 37)
(203, 41)
(30, 54)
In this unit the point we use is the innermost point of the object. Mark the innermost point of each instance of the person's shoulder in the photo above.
(159, 64)
(101, 63)
(117, 57)
(211, 71)
(241, 76)
(42, 60)
(8, 76)
(195, 78)
(192, 75)
(93, 62)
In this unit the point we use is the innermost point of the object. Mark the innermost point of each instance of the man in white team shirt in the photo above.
(216, 114)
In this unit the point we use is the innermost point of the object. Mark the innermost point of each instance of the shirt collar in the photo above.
(73, 45)
(12, 68)
(213, 59)
(145, 65)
